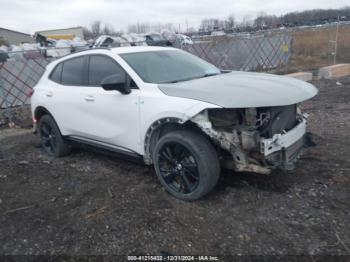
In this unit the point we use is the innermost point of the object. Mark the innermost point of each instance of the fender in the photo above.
(156, 126)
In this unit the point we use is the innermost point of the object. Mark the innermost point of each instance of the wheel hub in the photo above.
(178, 167)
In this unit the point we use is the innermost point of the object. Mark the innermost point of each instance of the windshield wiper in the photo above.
(210, 74)
(192, 78)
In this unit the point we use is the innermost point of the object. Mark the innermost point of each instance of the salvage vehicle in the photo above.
(173, 110)
(156, 39)
(106, 41)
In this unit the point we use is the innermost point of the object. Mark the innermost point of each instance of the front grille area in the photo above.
(279, 119)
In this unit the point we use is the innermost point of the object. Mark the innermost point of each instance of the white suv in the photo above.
(173, 110)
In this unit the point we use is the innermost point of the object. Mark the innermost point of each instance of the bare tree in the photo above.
(96, 28)
(87, 33)
(108, 30)
(230, 22)
(139, 28)
(247, 21)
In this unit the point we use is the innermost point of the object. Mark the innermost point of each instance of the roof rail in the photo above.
(91, 48)
(80, 51)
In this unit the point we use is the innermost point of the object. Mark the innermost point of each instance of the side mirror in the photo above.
(116, 82)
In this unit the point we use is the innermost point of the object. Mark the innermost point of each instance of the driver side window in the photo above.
(101, 67)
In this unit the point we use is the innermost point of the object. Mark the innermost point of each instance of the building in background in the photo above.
(61, 34)
(14, 37)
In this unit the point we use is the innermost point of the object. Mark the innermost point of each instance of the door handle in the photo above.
(49, 94)
(89, 98)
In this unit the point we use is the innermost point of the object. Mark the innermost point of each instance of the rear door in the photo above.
(64, 96)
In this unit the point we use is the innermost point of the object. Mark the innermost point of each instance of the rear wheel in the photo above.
(186, 164)
(51, 138)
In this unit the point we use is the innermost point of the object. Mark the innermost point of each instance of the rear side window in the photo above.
(72, 73)
(56, 74)
(101, 67)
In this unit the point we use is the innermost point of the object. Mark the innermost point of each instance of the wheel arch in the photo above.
(41, 111)
(161, 127)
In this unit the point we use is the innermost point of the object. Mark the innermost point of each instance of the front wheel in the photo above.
(186, 164)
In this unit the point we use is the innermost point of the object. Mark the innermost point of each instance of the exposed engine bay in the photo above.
(255, 139)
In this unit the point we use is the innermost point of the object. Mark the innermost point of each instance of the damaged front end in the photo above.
(255, 139)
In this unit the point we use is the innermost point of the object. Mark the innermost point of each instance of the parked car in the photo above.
(3, 56)
(156, 39)
(57, 48)
(173, 110)
(183, 40)
(110, 41)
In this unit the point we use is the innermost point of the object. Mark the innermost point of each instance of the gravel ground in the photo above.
(94, 204)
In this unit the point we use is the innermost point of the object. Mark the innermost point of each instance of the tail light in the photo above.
(31, 92)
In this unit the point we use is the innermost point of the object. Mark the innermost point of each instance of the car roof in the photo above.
(135, 49)
(115, 50)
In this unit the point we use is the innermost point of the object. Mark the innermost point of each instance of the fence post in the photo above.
(336, 43)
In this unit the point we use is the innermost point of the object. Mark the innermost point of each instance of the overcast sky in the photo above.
(33, 15)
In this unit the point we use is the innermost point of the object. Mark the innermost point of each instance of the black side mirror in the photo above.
(116, 82)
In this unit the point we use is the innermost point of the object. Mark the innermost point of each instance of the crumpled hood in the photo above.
(243, 89)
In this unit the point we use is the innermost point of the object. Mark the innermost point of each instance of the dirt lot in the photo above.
(91, 203)
(312, 48)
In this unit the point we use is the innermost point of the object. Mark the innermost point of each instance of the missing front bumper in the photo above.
(253, 153)
(283, 150)
(286, 157)
(282, 141)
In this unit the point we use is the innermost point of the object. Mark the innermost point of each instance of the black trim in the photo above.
(62, 62)
(95, 143)
(53, 70)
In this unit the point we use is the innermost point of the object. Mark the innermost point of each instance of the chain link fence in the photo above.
(19, 72)
(258, 52)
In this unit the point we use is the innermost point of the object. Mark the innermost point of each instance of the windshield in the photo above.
(169, 66)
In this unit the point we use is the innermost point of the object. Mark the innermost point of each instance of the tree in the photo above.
(247, 21)
(96, 29)
(230, 22)
(264, 20)
(87, 33)
(139, 28)
(108, 30)
(211, 24)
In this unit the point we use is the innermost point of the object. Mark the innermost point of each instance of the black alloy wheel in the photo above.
(186, 164)
(51, 138)
(48, 138)
(178, 168)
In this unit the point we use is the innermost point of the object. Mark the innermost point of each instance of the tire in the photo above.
(51, 138)
(186, 164)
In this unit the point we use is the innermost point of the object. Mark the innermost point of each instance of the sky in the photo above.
(30, 16)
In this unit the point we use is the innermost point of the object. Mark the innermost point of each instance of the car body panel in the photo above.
(155, 105)
(243, 90)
